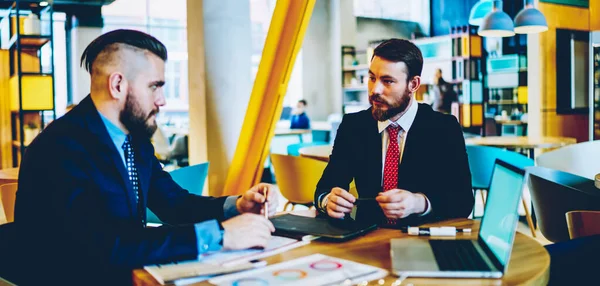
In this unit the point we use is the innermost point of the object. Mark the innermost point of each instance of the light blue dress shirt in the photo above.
(208, 234)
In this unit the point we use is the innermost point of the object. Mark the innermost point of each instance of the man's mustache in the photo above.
(378, 99)
(154, 112)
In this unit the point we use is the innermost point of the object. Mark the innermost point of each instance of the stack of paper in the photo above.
(221, 262)
(276, 245)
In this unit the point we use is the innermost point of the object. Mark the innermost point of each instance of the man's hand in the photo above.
(339, 203)
(398, 203)
(246, 231)
(252, 201)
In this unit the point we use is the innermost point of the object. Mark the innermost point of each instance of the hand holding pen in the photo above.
(260, 199)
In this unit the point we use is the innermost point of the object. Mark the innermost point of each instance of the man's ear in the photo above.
(414, 84)
(117, 85)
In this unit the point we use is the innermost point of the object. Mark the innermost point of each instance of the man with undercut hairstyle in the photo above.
(85, 182)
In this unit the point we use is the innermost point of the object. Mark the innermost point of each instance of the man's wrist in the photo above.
(422, 203)
(237, 204)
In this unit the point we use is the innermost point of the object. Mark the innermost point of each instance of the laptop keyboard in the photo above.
(457, 255)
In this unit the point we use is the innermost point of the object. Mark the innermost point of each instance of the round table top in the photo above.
(529, 262)
(287, 131)
(319, 152)
(526, 142)
(8, 176)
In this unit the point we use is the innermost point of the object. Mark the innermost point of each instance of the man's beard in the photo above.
(393, 109)
(135, 120)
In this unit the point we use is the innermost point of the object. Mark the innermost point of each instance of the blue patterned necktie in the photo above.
(133, 175)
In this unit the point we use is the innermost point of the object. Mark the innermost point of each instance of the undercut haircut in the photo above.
(115, 40)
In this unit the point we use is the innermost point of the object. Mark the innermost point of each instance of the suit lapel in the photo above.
(411, 145)
(97, 127)
(143, 159)
(373, 149)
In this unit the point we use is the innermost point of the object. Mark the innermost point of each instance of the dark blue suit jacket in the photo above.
(76, 208)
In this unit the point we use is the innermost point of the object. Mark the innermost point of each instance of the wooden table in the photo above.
(523, 142)
(320, 152)
(529, 263)
(8, 176)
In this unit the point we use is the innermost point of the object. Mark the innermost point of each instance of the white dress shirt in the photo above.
(405, 121)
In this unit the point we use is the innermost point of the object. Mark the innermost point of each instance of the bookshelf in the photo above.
(27, 34)
(460, 58)
(355, 69)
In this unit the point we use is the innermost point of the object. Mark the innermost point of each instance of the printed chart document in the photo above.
(221, 262)
(316, 269)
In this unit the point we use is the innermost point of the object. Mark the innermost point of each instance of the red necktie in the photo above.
(392, 158)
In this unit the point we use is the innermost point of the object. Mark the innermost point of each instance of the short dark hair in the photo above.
(303, 101)
(132, 38)
(399, 50)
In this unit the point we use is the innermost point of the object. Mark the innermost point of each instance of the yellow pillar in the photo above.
(286, 32)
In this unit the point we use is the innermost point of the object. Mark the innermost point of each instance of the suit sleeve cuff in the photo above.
(229, 207)
(427, 207)
(209, 236)
(321, 203)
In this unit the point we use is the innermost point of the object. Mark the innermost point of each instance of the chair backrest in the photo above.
(583, 223)
(554, 193)
(8, 193)
(12, 261)
(320, 136)
(482, 159)
(190, 178)
(581, 159)
(297, 177)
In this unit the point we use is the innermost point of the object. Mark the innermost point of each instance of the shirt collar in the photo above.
(405, 121)
(116, 134)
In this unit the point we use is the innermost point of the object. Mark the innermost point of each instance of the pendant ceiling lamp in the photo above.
(530, 20)
(497, 23)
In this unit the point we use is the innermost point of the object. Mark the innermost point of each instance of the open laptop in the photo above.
(486, 257)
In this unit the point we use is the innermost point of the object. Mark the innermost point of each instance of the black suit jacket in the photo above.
(434, 163)
(76, 208)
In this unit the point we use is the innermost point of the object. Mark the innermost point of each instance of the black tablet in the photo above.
(328, 228)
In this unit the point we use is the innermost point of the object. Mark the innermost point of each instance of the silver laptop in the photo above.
(486, 257)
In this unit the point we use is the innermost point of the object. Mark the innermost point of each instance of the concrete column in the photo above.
(317, 69)
(228, 50)
(335, 51)
(347, 23)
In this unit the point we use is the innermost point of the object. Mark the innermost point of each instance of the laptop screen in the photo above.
(499, 221)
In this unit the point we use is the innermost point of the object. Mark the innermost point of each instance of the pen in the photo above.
(437, 231)
(266, 205)
(363, 200)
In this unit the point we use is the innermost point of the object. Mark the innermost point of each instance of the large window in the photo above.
(165, 20)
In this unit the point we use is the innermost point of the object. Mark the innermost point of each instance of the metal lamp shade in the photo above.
(530, 20)
(479, 11)
(497, 24)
